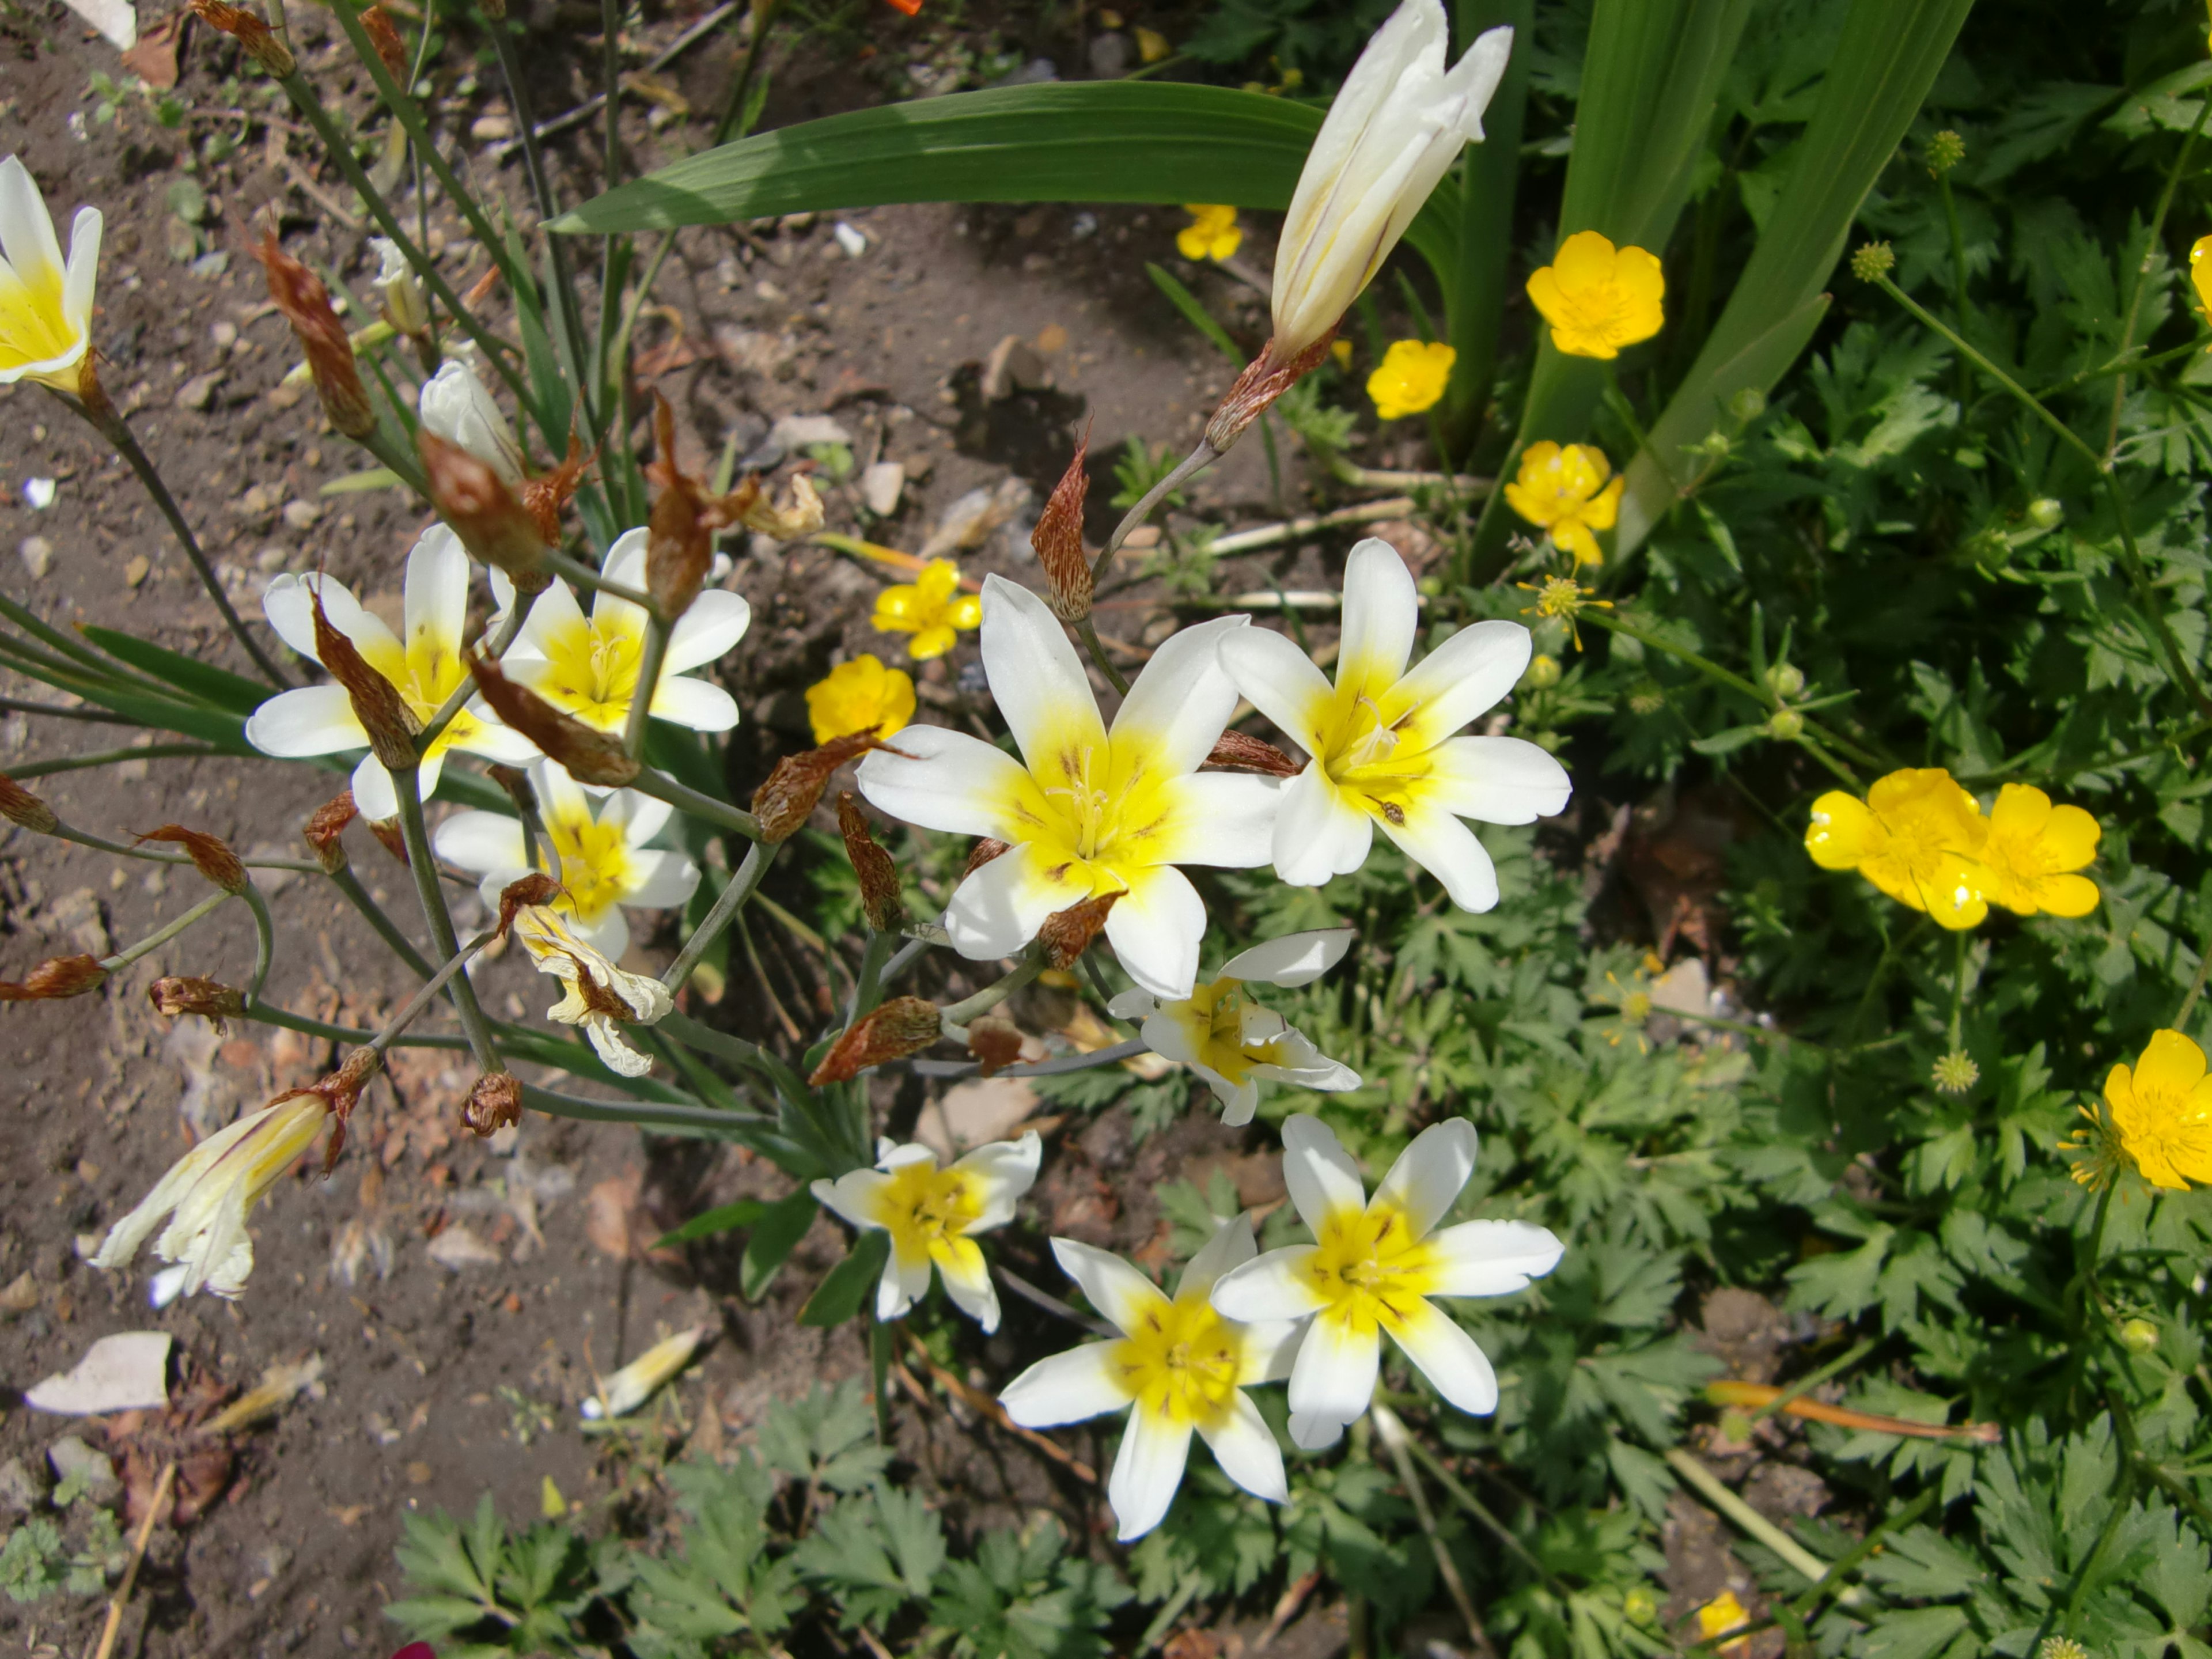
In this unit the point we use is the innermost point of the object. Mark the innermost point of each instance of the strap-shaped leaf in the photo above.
(1115, 141)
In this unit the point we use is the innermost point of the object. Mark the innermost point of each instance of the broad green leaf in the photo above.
(775, 1235)
(204, 680)
(846, 1285)
(724, 1218)
(1194, 313)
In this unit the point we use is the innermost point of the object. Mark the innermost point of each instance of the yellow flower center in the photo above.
(593, 862)
(594, 672)
(1212, 1020)
(33, 329)
(1182, 1362)
(1094, 814)
(425, 674)
(1369, 1269)
(925, 1208)
(1360, 752)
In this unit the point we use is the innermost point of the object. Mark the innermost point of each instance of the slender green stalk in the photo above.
(731, 122)
(1831, 1582)
(1395, 1440)
(167, 931)
(401, 946)
(62, 712)
(1087, 633)
(1812, 1379)
(879, 1374)
(868, 983)
(423, 867)
(113, 756)
(998, 991)
(103, 417)
(743, 882)
(1481, 1513)
(427, 992)
(161, 855)
(1958, 987)
(60, 659)
(457, 698)
(1751, 1521)
(646, 1115)
(2195, 986)
(582, 575)
(661, 786)
(1957, 269)
(264, 938)
(736, 1049)
(265, 1014)
(397, 461)
(650, 658)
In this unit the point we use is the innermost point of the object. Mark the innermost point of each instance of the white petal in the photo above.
(1220, 820)
(1497, 779)
(1180, 700)
(555, 615)
(1292, 960)
(1271, 1347)
(314, 719)
(435, 594)
(372, 792)
(1239, 1103)
(1322, 1179)
(1247, 1452)
(1156, 929)
(1318, 833)
(968, 1282)
(1036, 678)
(619, 1054)
(682, 700)
(1002, 1172)
(1381, 612)
(484, 843)
(1464, 677)
(1272, 1286)
(1492, 1258)
(1280, 681)
(82, 277)
(1334, 1375)
(901, 1286)
(642, 815)
(1430, 1172)
(1134, 1005)
(289, 604)
(1447, 1356)
(1067, 1388)
(26, 230)
(1448, 850)
(1166, 1036)
(708, 630)
(857, 1195)
(661, 880)
(1314, 1434)
(624, 566)
(1146, 1472)
(999, 909)
(1231, 1246)
(1123, 1296)
(607, 933)
(953, 782)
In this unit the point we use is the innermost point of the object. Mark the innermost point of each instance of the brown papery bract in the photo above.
(377, 704)
(1066, 934)
(544, 495)
(376, 23)
(879, 879)
(902, 1026)
(249, 31)
(305, 303)
(1264, 379)
(592, 756)
(494, 1102)
(1234, 751)
(188, 994)
(538, 888)
(325, 831)
(210, 855)
(496, 528)
(787, 799)
(1058, 539)
(20, 807)
(55, 978)
(995, 1042)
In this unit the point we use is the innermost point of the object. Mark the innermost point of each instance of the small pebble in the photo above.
(303, 515)
(38, 556)
(198, 392)
(851, 241)
(38, 493)
(136, 572)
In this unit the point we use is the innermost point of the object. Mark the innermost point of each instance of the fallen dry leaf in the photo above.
(154, 59)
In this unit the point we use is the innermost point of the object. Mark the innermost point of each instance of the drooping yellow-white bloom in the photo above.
(1394, 130)
(587, 664)
(1382, 742)
(600, 998)
(1179, 1368)
(1091, 811)
(933, 1215)
(208, 1194)
(1372, 1267)
(633, 1385)
(454, 405)
(426, 669)
(45, 305)
(595, 849)
(1233, 1043)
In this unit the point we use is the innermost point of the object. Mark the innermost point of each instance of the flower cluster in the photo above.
(1921, 838)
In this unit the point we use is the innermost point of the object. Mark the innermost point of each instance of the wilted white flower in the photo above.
(404, 307)
(633, 1385)
(601, 998)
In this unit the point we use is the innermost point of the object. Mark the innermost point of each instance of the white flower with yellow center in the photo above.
(209, 1192)
(587, 664)
(933, 1215)
(1179, 1367)
(595, 849)
(1233, 1043)
(1373, 1265)
(426, 669)
(1090, 812)
(1380, 738)
(45, 307)
(601, 999)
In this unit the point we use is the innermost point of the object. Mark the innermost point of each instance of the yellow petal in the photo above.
(2171, 1065)
(1840, 831)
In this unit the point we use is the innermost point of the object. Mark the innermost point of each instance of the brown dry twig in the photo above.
(983, 1405)
(122, 1596)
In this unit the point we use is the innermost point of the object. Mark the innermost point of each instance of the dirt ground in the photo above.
(460, 1296)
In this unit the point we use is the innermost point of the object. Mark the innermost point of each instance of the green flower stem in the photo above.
(406, 780)
(1750, 1521)
(2085, 1273)
(1958, 987)
(646, 1114)
(2195, 986)
(741, 886)
(868, 984)
(655, 653)
(104, 418)
(1466, 1500)
(264, 938)
(750, 1055)
(582, 575)
(2142, 272)
(395, 460)
(62, 712)
(496, 350)
(2130, 555)
(1087, 631)
(113, 756)
(457, 698)
(74, 652)
(1893, 947)
(906, 955)
(661, 786)
(879, 1373)
(1832, 1581)
(263, 1013)
(1958, 267)
(1624, 412)
(998, 991)
(357, 896)
(2122, 363)
(167, 931)
(162, 855)
(428, 991)
(1395, 1440)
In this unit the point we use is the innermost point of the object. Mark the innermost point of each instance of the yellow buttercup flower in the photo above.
(1599, 298)
(2032, 850)
(932, 608)
(1563, 598)
(2162, 1112)
(859, 695)
(1212, 233)
(1724, 1614)
(2200, 273)
(1563, 488)
(1918, 837)
(45, 305)
(1411, 379)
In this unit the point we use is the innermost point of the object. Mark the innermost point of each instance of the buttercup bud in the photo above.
(377, 25)
(491, 521)
(2139, 1336)
(1945, 151)
(494, 1104)
(55, 978)
(1786, 679)
(1066, 934)
(1873, 260)
(1542, 673)
(377, 704)
(902, 1026)
(2045, 513)
(20, 807)
(1058, 539)
(325, 829)
(184, 993)
(1787, 724)
(785, 800)
(996, 1043)
(305, 303)
(209, 855)
(592, 756)
(1748, 404)
(249, 31)
(1233, 752)
(879, 879)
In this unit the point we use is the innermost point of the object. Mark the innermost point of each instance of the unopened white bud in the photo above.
(455, 406)
(404, 307)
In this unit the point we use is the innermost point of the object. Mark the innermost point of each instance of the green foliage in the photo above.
(37, 1558)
